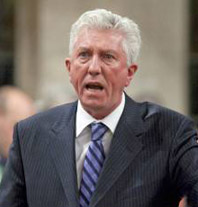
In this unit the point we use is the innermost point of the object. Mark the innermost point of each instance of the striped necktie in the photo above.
(93, 163)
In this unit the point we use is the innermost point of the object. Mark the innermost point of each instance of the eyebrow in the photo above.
(83, 48)
(110, 51)
(103, 50)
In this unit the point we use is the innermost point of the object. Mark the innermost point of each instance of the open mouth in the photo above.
(94, 87)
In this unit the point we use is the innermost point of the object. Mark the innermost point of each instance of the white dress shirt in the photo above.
(83, 132)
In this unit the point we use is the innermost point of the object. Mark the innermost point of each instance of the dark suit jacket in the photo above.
(152, 162)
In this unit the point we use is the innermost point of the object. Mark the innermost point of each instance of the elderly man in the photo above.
(105, 149)
(15, 105)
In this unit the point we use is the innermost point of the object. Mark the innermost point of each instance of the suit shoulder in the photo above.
(48, 117)
(154, 113)
(164, 114)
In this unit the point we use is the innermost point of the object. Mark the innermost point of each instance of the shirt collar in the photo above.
(83, 119)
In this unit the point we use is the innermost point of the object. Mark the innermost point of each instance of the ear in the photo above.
(68, 63)
(131, 71)
(68, 66)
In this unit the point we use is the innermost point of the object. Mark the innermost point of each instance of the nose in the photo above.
(94, 67)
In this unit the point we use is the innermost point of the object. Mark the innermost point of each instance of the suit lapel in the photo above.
(124, 148)
(62, 146)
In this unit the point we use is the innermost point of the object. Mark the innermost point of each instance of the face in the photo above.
(6, 129)
(18, 107)
(98, 70)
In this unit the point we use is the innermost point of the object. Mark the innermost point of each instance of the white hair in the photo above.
(103, 19)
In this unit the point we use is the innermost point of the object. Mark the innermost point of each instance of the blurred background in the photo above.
(34, 43)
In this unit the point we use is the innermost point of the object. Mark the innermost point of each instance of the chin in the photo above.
(93, 105)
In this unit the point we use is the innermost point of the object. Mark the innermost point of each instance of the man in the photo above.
(14, 106)
(105, 150)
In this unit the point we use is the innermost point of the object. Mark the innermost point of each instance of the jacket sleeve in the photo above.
(12, 188)
(184, 162)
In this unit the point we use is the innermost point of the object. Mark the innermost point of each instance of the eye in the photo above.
(108, 56)
(84, 54)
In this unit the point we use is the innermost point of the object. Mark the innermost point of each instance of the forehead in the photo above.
(99, 38)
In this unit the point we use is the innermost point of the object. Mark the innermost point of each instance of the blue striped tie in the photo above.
(93, 163)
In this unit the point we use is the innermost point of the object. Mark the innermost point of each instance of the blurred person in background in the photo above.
(105, 149)
(15, 105)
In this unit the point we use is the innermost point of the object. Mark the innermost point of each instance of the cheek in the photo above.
(76, 78)
(118, 79)
(71, 78)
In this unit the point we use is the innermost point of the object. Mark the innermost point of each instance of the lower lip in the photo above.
(90, 90)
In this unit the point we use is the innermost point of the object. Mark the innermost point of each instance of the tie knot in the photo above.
(97, 131)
